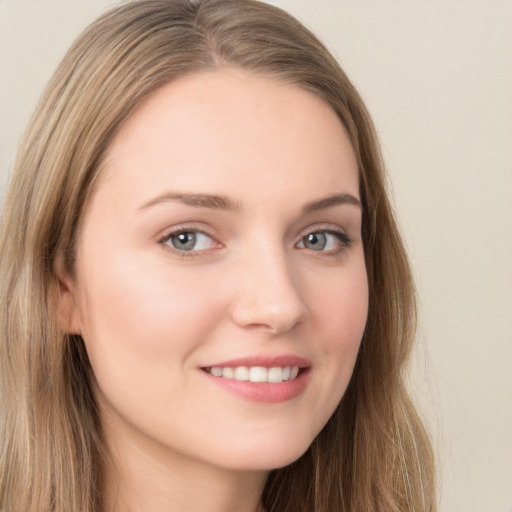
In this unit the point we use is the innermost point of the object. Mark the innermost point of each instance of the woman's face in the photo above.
(223, 243)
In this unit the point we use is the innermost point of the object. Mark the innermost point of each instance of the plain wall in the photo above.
(437, 78)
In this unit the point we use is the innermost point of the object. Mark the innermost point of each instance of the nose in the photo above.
(267, 294)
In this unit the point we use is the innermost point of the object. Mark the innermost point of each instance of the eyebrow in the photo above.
(216, 202)
(213, 202)
(328, 202)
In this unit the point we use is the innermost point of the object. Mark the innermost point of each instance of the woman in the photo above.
(206, 304)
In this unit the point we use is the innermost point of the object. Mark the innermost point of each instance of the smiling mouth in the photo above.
(273, 375)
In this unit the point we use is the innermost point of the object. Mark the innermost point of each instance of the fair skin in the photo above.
(175, 289)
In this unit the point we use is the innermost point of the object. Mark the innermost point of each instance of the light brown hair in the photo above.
(374, 454)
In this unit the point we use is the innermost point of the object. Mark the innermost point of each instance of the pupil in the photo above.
(184, 241)
(316, 241)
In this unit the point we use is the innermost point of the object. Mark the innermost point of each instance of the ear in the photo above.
(64, 298)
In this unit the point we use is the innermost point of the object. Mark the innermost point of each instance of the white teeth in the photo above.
(228, 373)
(258, 374)
(217, 371)
(241, 373)
(275, 374)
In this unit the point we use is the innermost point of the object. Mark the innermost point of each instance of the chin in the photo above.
(267, 457)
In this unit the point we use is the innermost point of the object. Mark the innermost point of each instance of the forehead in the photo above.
(210, 129)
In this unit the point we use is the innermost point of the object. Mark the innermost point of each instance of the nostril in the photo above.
(265, 314)
(268, 294)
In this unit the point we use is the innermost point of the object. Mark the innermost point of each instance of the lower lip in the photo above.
(265, 392)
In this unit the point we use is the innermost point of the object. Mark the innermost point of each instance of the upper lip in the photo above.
(264, 361)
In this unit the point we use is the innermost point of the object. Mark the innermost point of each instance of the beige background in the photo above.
(437, 77)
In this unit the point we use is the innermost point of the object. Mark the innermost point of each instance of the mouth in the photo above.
(262, 379)
(273, 375)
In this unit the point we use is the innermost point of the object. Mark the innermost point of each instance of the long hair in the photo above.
(373, 454)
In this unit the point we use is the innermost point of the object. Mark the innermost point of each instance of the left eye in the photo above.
(189, 241)
(323, 241)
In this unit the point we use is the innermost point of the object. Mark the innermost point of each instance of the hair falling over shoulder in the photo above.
(374, 453)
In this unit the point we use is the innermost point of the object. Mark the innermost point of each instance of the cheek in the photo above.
(342, 308)
(142, 322)
(340, 319)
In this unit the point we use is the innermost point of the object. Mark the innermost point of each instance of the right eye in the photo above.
(189, 241)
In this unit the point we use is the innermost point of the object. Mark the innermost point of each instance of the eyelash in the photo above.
(182, 253)
(345, 242)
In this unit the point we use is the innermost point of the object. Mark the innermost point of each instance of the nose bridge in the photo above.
(268, 291)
